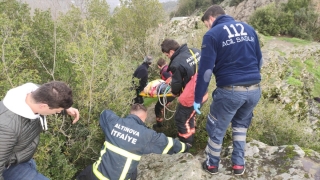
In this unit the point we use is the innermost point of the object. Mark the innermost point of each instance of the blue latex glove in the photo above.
(196, 107)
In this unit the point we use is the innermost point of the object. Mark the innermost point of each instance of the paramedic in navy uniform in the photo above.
(231, 51)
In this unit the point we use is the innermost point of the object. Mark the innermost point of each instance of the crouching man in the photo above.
(126, 139)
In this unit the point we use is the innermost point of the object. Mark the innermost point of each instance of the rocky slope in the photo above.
(262, 162)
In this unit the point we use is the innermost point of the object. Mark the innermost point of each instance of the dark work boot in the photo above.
(159, 123)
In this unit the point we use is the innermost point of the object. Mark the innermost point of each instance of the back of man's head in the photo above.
(148, 59)
(55, 94)
(161, 62)
(214, 11)
(169, 44)
(139, 110)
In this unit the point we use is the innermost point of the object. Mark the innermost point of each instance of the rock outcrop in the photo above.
(262, 162)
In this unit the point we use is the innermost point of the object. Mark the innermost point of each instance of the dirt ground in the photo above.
(151, 119)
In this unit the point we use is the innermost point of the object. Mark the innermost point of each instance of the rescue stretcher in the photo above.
(156, 89)
(159, 89)
(143, 94)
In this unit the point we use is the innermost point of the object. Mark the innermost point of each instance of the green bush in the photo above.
(189, 7)
(285, 21)
(265, 21)
(296, 18)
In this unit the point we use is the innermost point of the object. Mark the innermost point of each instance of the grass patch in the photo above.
(266, 38)
(307, 151)
(293, 81)
(314, 69)
(290, 153)
(310, 63)
(149, 101)
(316, 90)
(282, 53)
(311, 66)
(295, 41)
(297, 67)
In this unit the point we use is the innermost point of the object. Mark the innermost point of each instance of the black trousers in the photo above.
(87, 174)
(138, 99)
(185, 122)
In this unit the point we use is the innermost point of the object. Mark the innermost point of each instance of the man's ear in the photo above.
(212, 19)
(142, 115)
(43, 105)
(171, 52)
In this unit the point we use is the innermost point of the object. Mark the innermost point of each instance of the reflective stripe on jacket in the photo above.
(126, 139)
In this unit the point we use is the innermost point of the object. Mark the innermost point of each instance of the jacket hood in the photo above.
(15, 100)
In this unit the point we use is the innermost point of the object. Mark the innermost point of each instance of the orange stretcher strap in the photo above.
(154, 95)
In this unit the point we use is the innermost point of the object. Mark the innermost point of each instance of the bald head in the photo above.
(140, 111)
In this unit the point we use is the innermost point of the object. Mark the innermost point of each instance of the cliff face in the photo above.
(262, 162)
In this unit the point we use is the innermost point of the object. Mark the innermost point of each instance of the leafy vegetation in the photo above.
(296, 18)
(295, 41)
(189, 7)
(91, 51)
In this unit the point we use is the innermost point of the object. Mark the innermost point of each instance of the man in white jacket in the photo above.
(22, 118)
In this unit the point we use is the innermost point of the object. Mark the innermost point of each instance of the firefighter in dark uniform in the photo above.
(141, 73)
(183, 66)
(126, 139)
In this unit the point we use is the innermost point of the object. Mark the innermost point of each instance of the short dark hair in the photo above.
(161, 62)
(55, 93)
(214, 11)
(137, 107)
(169, 44)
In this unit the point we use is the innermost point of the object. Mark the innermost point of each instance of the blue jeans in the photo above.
(23, 171)
(235, 107)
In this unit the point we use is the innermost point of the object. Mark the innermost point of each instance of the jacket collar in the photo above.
(136, 118)
(183, 47)
(164, 68)
(145, 64)
(222, 19)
